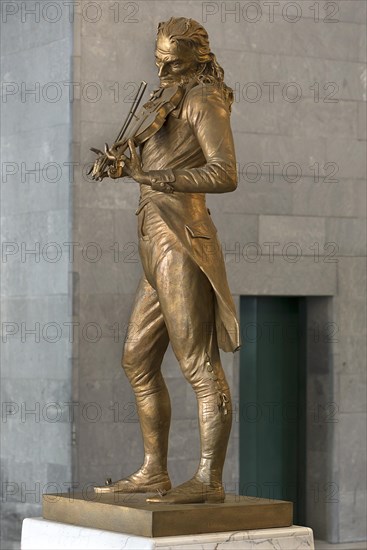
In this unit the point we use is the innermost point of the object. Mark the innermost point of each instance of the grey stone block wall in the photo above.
(301, 162)
(300, 152)
(35, 288)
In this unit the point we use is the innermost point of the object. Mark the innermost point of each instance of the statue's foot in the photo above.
(140, 482)
(193, 491)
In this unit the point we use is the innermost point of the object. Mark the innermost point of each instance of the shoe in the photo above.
(136, 483)
(193, 491)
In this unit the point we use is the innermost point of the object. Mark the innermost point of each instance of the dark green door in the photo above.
(272, 399)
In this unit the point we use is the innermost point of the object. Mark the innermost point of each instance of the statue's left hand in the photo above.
(133, 167)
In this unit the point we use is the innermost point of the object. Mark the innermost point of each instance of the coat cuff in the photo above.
(159, 180)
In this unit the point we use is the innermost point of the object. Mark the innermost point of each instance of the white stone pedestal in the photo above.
(41, 534)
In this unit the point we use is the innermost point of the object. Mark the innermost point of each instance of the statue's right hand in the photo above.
(107, 164)
(97, 170)
(115, 171)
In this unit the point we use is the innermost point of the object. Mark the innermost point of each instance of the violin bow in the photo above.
(134, 108)
(130, 116)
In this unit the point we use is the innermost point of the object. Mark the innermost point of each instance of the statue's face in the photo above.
(175, 63)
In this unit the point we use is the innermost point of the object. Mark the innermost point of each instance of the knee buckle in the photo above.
(222, 397)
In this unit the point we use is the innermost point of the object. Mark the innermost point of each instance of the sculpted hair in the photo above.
(190, 33)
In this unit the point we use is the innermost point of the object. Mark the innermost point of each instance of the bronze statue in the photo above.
(183, 295)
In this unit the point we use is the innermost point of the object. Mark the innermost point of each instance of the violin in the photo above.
(147, 122)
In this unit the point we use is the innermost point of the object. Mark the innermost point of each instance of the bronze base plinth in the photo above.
(130, 513)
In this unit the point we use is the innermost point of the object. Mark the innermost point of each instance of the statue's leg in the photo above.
(188, 305)
(145, 345)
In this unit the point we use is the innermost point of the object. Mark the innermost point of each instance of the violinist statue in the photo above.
(183, 295)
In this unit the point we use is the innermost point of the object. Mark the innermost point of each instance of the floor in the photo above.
(321, 545)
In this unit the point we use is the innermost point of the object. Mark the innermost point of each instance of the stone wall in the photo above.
(35, 288)
(298, 77)
(299, 126)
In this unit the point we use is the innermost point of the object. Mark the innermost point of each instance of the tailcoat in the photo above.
(191, 155)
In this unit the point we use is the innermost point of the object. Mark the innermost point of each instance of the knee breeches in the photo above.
(174, 302)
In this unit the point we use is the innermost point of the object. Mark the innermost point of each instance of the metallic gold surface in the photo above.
(147, 122)
(183, 296)
(129, 513)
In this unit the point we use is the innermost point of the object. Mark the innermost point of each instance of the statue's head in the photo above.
(183, 53)
(177, 49)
